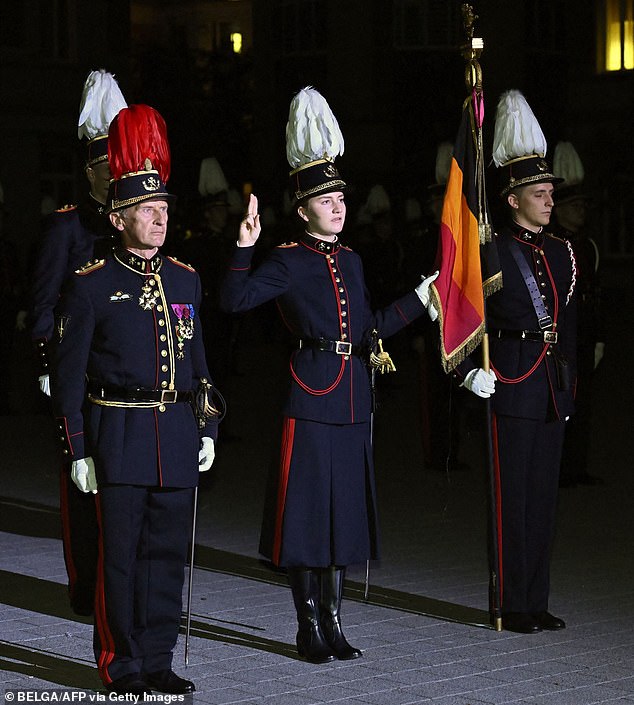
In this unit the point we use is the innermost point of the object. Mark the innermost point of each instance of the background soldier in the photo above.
(72, 236)
(570, 211)
(129, 326)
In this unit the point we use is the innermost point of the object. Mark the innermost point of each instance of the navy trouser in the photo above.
(528, 454)
(144, 534)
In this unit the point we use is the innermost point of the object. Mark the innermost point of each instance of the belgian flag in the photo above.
(467, 258)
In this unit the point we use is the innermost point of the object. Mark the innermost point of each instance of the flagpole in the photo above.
(473, 79)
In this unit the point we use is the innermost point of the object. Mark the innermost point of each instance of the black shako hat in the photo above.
(519, 145)
(139, 156)
(313, 141)
(101, 100)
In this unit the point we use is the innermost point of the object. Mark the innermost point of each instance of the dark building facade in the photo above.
(390, 69)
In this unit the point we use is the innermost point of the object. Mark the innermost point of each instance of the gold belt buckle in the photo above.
(168, 396)
(550, 336)
(343, 347)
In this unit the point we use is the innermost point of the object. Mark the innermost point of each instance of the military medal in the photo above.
(148, 298)
(184, 327)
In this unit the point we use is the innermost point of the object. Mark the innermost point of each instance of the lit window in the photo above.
(618, 18)
(236, 42)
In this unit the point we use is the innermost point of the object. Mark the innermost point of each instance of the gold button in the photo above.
(342, 301)
(41, 344)
(333, 270)
(65, 452)
(346, 357)
(161, 322)
(344, 313)
(164, 384)
(61, 438)
(164, 368)
(162, 407)
(337, 279)
(548, 352)
(341, 290)
(163, 353)
(159, 308)
(344, 325)
(344, 336)
(151, 282)
(163, 337)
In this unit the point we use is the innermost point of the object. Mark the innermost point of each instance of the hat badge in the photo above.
(152, 184)
(331, 171)
(542, 165)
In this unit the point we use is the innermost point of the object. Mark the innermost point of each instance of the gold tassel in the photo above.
(382, 362)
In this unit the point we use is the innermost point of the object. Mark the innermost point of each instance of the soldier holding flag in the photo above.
(531, 324)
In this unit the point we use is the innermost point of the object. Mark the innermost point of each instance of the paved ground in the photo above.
(424, 630)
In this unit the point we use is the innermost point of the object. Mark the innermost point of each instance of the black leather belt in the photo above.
(341, 347)
(539, 336)
(112, 392)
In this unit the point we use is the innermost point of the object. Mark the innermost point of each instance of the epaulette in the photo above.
(188, 267)
(348, 249)
(555, 237)
(90, 266)
(286, 245)
(66, 208)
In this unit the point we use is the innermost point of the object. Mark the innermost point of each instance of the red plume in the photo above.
(137, 133)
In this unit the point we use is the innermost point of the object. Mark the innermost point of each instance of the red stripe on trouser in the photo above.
(106, 642)
(498, 503)
(71, 569)
(288, 433)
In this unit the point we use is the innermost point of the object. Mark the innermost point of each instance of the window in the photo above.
(56, 22)
(616, 35)
(427, 24)
(303, 26)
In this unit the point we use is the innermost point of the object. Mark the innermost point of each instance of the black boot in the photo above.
(311, 644)
(329, 607)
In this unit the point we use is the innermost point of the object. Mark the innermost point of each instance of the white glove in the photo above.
(481, 383)
(423, 289)
(82, 473)
(599, 349)
(45, 384)
(206, 454)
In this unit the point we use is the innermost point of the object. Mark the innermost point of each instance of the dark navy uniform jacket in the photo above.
(532, 390)
(320, 293)
(130, 323)
(72, 236)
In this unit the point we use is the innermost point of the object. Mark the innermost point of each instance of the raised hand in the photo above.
(250, 226)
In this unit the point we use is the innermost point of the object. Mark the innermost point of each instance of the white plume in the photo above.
(517, 132)
(211, 179)
(100, 102)
(312, 131)
(378, 201)
(443, 162)
(567, 164)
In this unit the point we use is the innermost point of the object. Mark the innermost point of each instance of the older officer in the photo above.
(532, 325)
(128, 325)
(326, 515)
(72, 236)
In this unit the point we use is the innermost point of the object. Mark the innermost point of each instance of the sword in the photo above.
(366, 587)
(191, 578)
